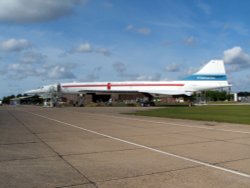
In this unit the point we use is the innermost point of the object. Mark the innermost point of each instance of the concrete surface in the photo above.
(99, 147)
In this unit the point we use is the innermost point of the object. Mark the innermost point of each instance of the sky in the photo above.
(53, 41)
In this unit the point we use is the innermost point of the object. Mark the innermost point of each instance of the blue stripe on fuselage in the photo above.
(206, 77)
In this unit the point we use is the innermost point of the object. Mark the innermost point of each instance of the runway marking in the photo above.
(146, 147)
(165, 123)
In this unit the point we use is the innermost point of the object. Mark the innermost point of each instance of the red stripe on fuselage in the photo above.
(85, 85)
(120, 85)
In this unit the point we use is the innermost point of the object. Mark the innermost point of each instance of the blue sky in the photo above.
(52, 41)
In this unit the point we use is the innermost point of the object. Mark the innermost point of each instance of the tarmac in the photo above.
(100, 147)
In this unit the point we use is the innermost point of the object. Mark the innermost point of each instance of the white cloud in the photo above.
(143, 31)
(172, 67)
(87, 48)
(60, 72)
(154, 77)
(83, 48)
(14, 45)
(20, 71)
(30, 65)
(30, 11)
(237, 59)
(33, 58)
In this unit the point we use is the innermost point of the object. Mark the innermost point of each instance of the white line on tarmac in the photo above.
(146, 147)
(165, 123)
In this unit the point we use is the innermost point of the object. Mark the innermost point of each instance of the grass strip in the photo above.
(229, 113)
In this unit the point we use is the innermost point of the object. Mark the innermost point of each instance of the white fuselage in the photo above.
(160, 87)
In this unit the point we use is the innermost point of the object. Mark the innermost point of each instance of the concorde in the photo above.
(210, 76)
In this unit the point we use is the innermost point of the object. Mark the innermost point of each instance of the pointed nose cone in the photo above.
(40, 91)
(33, 92)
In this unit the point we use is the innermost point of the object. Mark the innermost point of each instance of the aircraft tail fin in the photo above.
(214, 70)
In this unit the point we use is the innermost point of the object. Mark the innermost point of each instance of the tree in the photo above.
(217, 95)
(212, 95)
(244, 94)
(19, 95)
(6, 100)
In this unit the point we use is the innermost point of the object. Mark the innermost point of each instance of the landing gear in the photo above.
(147, 101)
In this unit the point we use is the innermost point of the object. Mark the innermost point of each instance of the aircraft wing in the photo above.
(167, 92)
(107, 91)
(160, 92)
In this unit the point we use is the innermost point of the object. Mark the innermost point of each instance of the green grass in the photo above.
(229, 113)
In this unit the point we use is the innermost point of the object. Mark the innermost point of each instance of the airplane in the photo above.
(210, 76)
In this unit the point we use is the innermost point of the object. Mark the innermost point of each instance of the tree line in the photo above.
(32, 100)
(218, 96)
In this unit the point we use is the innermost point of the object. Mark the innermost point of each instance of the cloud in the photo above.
(121, 69)
(103, 51)
(236, 59)
(87, 48)
(190, 41)
(30, 11)
(19, 71)
(177, 23)
(237, 28)
(33, 58)
(108, 4)
(190, 71)
(30, 65)
(14, 45)
(172, 68)
(204, 7)
(143, 31)
(154, 77)
(129, 27)
(93, 75)
(59, 72)
(231, 27)
(83, 48)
